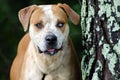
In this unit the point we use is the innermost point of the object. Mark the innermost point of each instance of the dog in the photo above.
(46, 51)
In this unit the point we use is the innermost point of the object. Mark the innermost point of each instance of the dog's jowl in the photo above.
(46, 51)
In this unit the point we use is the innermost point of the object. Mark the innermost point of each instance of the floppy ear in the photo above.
(74, 17)
(24, 16)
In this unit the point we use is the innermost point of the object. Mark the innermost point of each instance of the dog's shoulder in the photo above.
(17, 64)
(23, 44)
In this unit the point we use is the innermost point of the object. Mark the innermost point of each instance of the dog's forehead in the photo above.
(54, 10)
(48, 13)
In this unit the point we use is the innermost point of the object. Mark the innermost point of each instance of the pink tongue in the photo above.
(51, 50)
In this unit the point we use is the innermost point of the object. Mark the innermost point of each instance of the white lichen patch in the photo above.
(95, 76)
(116, 28)
(86, 67)
(88, 21)
(105, 50)
(91, 11)
(112, 61)
(90, 65)
(98, 28)
(89, 37)
(110, 21)
(83, 14)
(83, 68)
(117, 48)
(83, 8)
(101, 41)
(99, 68)
(108, 10)
(116, 4)
(102, 8)
(92, 50)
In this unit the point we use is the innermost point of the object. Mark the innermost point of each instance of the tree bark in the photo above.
(100, 22)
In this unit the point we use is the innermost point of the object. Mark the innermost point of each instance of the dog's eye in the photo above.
(39, 25)
(60, 24)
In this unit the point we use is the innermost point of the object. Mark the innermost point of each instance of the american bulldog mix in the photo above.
(46, 51)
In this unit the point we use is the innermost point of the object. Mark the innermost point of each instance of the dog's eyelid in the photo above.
(39, 25)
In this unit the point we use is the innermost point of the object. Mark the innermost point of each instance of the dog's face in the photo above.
(48, 27)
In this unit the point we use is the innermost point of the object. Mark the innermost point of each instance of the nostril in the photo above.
(51, 39)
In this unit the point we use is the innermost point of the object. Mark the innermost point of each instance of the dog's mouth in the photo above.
(50, 51)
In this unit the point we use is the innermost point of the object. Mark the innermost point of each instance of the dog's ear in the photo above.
(24, 16)
(74, 17)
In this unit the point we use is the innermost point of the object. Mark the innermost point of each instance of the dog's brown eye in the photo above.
(39, 25)
(60, 24)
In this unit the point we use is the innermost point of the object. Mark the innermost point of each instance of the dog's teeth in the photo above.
(52, 52)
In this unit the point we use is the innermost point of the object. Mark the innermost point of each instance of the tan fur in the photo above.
(60, 14)
(71, 13)
(25, 14)
(29, 64)
(17, 64)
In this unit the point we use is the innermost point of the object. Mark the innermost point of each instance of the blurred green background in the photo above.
(11, 30)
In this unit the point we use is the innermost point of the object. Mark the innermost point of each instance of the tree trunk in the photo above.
(100, 22)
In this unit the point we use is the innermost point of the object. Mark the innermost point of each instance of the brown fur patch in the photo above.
(61, 15)
(37, 18)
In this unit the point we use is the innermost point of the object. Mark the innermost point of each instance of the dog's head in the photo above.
(48, 25)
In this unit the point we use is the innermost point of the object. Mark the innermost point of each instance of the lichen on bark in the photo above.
(100, 22)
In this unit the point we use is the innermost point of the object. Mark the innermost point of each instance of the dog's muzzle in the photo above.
(51, 45)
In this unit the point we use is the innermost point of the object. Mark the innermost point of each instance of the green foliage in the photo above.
(11, 30)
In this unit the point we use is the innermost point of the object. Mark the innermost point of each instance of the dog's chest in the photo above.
(48, 64)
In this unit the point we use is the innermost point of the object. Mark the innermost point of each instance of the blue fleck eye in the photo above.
(60, 24)
(39, 25)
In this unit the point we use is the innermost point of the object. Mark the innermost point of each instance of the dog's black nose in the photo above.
(51, 39)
